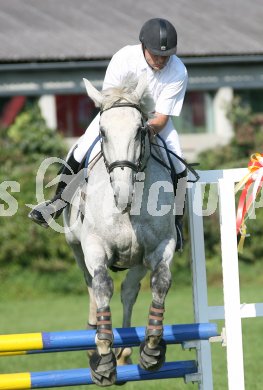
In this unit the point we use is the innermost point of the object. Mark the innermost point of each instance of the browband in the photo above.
(123, 105)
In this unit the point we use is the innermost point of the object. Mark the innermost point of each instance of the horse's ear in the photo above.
(93, 93)
(141, 86)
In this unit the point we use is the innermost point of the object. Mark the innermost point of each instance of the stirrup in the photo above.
(45, 212)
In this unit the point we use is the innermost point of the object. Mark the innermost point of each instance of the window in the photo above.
(10, 107)
(196, 115)
(74, 114)
(253, 97)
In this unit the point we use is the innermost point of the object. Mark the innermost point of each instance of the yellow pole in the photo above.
(15, 381)
(20, 342)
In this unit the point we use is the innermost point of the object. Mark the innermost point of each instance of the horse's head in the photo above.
(123, 110)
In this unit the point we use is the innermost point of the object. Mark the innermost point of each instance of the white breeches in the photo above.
(169, 135)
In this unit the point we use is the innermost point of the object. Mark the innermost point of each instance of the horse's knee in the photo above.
(161, 279)
(102, 286)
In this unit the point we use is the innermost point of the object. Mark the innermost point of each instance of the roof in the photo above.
(47, 30)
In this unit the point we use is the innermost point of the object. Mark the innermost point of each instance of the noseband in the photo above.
(138, 166)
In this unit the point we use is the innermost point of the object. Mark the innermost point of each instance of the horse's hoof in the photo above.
(123, 356)
(152, 359)
(103, 369)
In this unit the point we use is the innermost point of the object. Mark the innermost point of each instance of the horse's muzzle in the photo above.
(122, 182)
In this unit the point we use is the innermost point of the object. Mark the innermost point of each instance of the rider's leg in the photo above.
(170, 136)
(87, 140)
(180, 183)
(45, 212)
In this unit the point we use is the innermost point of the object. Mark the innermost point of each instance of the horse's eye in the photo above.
(102, 132)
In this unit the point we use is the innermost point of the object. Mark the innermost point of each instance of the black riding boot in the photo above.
(43, 213)
(179, 183)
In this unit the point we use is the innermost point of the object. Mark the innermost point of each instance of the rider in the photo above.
(167, 81)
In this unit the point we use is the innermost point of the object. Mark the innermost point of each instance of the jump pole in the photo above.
(81, 376)
(30, 343)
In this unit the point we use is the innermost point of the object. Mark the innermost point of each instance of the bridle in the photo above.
(138, 166)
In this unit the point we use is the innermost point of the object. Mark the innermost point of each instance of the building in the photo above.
(47, 47)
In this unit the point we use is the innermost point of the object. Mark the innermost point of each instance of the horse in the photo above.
(123, 218)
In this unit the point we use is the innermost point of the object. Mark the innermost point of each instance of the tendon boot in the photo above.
(43, 213)
(180, 183)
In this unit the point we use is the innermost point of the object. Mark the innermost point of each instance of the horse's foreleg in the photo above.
(103, 361)
(153, 350)
(79, 256)
(129, 292)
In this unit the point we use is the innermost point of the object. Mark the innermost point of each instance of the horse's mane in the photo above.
(124, 92)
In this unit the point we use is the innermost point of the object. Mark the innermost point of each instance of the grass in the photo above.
(54, 312)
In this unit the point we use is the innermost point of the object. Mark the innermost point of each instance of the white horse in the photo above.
(124, 218)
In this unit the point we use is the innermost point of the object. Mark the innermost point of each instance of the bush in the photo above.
(25, 145)
(31, 136)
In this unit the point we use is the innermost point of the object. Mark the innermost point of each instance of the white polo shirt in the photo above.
(167, 85)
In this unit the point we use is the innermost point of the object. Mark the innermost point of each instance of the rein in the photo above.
(169, 152)
(137, 167)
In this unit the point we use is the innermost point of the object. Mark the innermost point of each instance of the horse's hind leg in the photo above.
(152, 351)
(129, 292)
(79, 257)
(92, 318)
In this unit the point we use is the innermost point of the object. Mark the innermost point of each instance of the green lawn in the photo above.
(54, 312)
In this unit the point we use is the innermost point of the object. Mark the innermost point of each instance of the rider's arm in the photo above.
(157, 123)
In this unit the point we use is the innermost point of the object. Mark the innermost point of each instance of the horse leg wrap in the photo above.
(152, 359)
(103, 369)
(104, 325)
(155, 320)
(152, 351)
(103, 365)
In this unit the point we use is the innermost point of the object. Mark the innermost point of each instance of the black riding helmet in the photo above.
(159, 36)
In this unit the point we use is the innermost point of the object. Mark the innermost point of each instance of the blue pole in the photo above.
(123, 337)
(124, 373)
(173, 334)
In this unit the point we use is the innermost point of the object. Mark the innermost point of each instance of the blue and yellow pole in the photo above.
(85, 339)
(81, 376)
